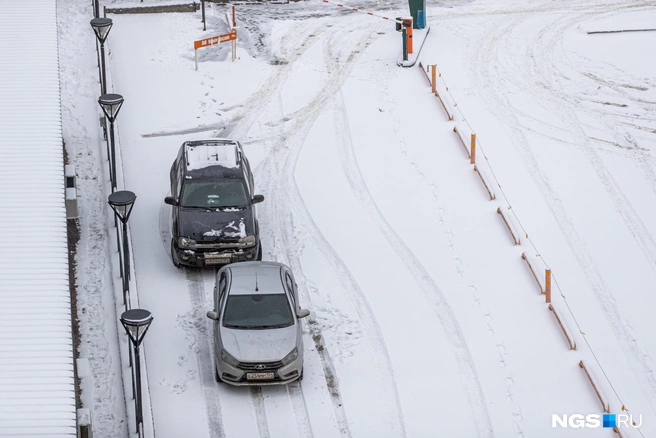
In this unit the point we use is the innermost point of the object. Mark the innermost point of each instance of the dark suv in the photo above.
(213, 213)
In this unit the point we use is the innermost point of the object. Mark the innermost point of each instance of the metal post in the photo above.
(112, 162)
(404, 34)
(103, 79)
(138, 373)
(202, 6)
(126, 255)
(96, 9)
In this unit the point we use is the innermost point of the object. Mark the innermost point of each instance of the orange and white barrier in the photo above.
(563, 327)
(532, 265)
(513, 233)
(439, 89)
(486, 182)
(604, 404)
(467, 138)
(357, 10)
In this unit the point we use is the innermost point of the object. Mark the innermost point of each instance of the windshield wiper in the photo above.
(277, 326)
(238, 327)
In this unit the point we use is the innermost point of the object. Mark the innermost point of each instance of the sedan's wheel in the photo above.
(174, 257)
(259, 253)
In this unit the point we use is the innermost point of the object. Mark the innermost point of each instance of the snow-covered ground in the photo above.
(425, 318)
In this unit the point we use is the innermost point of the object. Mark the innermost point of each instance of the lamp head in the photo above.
(111, 105)
(122, 202)
(101, 27)
(136, 323)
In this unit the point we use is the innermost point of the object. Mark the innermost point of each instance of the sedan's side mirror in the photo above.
(170, 200)
(213, 315)
(257, 199)
(302, 313)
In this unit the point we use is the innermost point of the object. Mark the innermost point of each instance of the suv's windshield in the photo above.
(214, 194)
(261, 311)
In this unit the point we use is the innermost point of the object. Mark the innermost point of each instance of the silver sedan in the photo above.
(257, 328)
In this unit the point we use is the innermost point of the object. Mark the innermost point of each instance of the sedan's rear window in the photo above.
(260, 311)
(214, 194)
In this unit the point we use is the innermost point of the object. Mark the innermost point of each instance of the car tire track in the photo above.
(202, 332)
(297, 399)
(260, 412)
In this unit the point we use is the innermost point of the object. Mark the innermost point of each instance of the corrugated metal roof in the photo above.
(37, 388)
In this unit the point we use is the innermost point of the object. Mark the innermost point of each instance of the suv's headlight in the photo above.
(225, 357)
(186, 243)
(247, 241)
(291, 357)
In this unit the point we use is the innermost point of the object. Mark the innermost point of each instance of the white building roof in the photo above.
(37, 387)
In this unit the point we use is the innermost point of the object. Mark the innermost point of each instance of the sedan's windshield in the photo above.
(261, 311)
(214, 194)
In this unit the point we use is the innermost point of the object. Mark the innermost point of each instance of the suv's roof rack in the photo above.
(215, 152)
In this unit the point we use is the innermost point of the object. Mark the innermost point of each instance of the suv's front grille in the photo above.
(216, 245)
(259, 366)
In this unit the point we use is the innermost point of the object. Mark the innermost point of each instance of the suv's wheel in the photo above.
(174, 258)
(259, 253)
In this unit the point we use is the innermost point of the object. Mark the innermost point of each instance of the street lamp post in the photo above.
(136, 323)
(111, 105)
(101, 27)
(122, 203)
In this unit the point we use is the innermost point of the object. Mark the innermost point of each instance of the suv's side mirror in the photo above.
(170, 200)
(213, 315)
(257, 199)
(302, 313)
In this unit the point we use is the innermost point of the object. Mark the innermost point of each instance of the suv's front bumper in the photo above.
(210, 258)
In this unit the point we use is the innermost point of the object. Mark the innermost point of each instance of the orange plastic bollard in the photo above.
(547, 288)
(433, 85)
(409, 28)
(472, 154)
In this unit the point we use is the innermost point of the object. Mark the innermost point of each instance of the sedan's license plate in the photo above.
(259, 376)
(217, 261)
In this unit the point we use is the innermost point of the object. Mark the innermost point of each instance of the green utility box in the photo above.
(418, 12)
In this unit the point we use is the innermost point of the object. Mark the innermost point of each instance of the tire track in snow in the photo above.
(430, 289)
(201, 330)
(292, 48)
(297, 399)
(502, 77)
(278, 172)
(260, 412)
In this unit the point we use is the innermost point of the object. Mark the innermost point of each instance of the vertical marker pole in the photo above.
(234, 20)
(202, 3)
(410, 36)
(433, 78)
(472, 155)
(548, 285)
(196, 58)
(404, 34)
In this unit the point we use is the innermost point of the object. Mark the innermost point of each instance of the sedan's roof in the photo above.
(249, 278)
